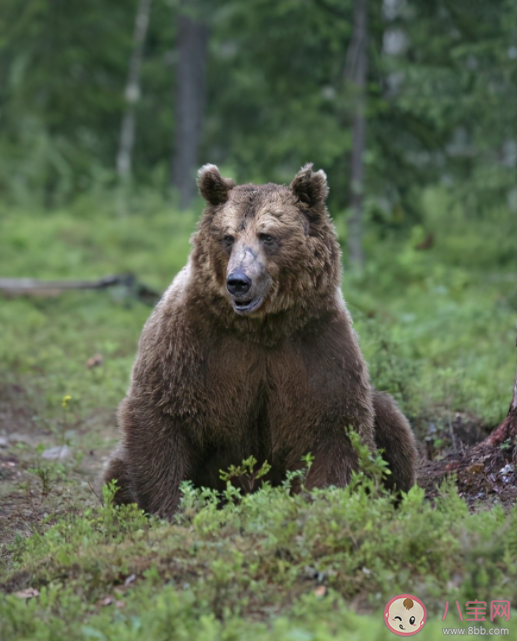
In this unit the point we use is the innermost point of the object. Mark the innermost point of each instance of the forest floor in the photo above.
(40, 495)
(484, 477)
(34, 461)
(31, 485)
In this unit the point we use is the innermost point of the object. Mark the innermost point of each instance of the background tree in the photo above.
(356, 75)
(192, 43)
(132, 92)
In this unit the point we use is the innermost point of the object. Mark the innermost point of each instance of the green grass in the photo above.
(438, 329)
(45, 342)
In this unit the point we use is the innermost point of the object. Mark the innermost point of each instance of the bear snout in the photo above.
(238, 284)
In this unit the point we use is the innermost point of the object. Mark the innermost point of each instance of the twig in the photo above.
(94, 492)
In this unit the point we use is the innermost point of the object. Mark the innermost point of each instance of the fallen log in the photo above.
(35, 287)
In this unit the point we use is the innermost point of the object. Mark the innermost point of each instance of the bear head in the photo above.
(265, 249)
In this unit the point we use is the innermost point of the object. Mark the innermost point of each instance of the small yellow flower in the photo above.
(66, 400)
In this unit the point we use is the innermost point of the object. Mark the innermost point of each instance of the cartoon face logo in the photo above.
(405, 615)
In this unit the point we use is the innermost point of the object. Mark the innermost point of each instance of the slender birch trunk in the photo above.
(132, 92)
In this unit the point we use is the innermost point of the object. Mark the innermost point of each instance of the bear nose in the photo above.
(238, 284)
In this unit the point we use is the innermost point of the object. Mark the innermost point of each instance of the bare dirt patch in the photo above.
(483, 466)
(40, 475)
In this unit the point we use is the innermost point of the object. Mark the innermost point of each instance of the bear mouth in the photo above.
(244, 307)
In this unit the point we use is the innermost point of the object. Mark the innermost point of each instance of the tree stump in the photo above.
(484, 472)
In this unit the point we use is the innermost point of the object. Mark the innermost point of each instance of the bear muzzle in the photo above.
(247, 282)
(238, 284)
(242, 297)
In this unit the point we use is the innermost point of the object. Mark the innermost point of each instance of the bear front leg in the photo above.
(334, 460)
(117, 470)
(394, 435)
(157, 458)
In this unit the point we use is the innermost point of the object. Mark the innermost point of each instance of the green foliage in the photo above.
(372, 470)
(255, 566)
(48, 473)
(62, 98)
(245, 474)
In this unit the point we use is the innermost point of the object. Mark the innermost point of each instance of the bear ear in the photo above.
(212, 186)
(310, 186)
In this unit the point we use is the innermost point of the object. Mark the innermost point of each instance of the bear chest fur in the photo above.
(258, 399)
(275, 404)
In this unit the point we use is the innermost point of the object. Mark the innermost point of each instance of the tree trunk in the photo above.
(132, 92)
(356, 72)
(192, 50)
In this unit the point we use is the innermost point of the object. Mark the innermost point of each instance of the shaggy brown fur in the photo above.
(251, 351)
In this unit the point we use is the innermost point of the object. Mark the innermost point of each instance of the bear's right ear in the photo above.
(212, 186)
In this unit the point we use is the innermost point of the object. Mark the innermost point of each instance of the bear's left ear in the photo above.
(310, 186)
(212, 186)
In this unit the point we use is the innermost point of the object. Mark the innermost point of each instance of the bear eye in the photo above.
(412, 620)
(266, 238)
(228, 241)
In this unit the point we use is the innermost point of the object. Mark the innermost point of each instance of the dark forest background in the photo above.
(389, 97)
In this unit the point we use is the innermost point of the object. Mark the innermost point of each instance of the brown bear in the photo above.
(251, 351)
